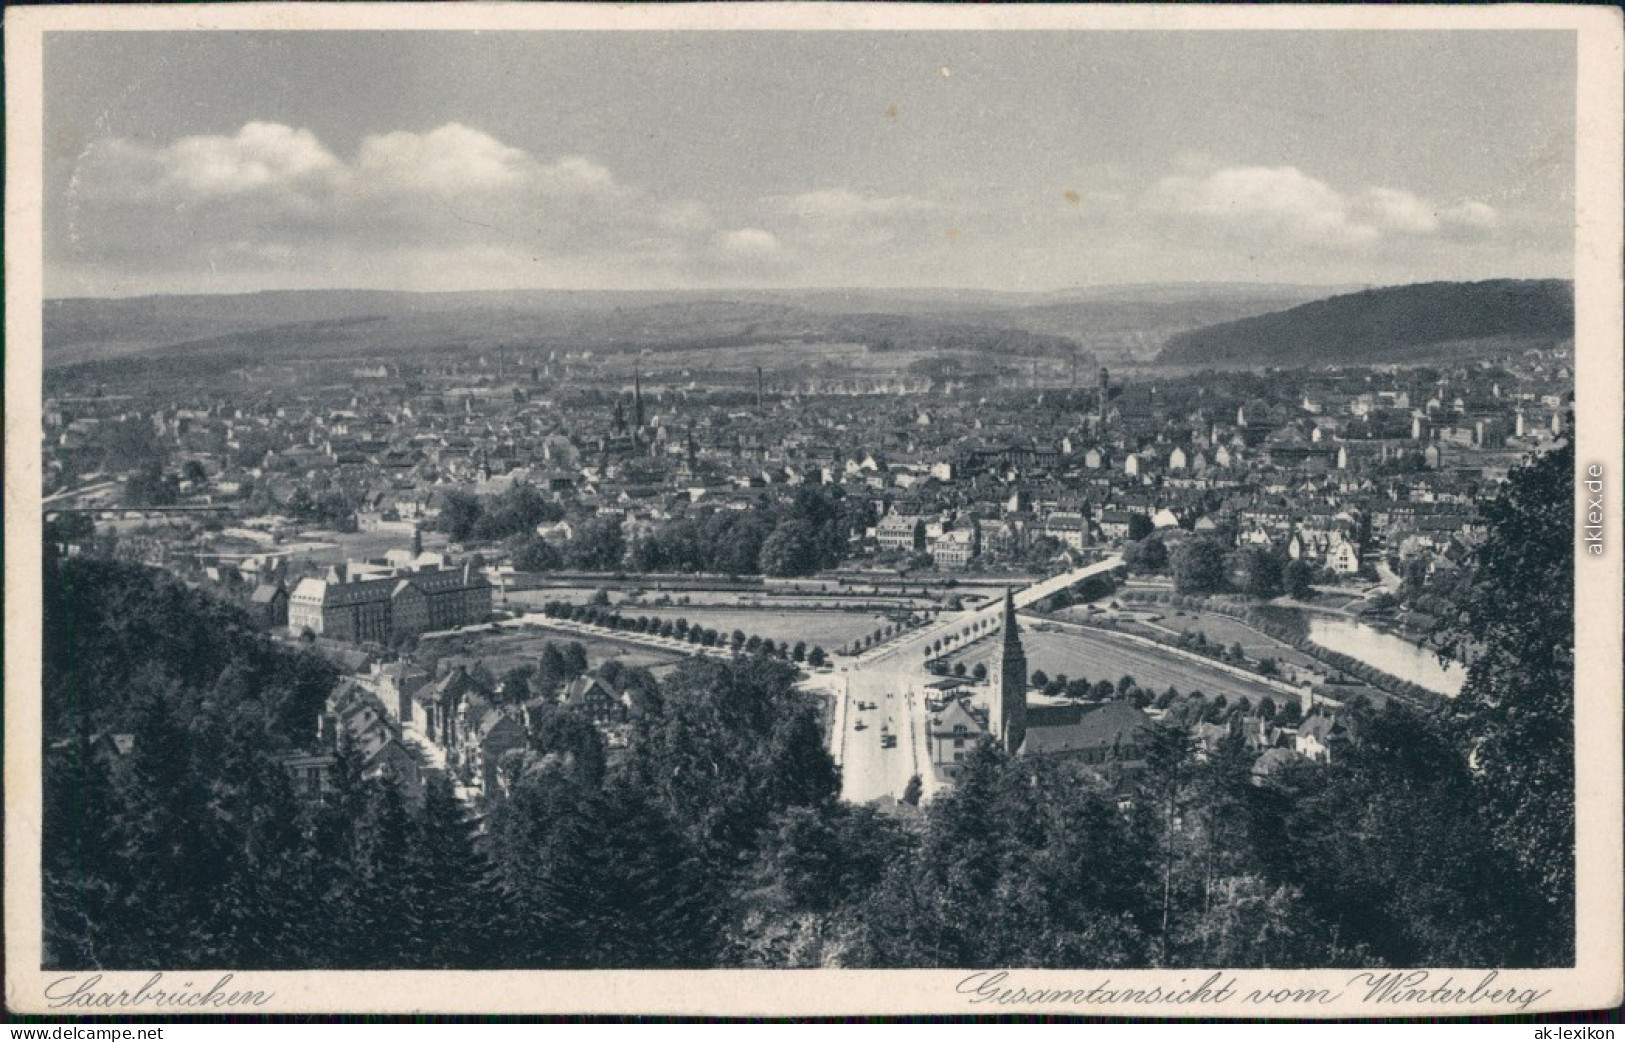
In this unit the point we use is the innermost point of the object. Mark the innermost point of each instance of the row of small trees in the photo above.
(966, 634)
(887, 632)
(977, 673)
(682, 629)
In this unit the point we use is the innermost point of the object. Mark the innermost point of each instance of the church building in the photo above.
(1096, 733)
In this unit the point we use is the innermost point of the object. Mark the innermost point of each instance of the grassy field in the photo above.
(1098, 658)
(503, 651)
(1221, 629)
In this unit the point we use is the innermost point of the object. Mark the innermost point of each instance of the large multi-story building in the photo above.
(954, 549)
(360, 604)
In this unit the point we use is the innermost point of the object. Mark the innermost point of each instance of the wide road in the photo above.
(893, 678)
(870, 768)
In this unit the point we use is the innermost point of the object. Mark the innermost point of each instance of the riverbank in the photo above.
(1293, 628)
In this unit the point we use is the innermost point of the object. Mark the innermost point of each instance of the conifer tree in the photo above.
(161, 866)
(261, 914)
(1164, 789)
(78, 857)
(447, 894)
(378, 870)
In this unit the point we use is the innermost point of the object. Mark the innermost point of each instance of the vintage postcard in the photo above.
(813, 509)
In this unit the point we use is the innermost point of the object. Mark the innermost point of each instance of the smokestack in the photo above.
(758, 389)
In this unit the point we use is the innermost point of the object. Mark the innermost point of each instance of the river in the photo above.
(1388, 653)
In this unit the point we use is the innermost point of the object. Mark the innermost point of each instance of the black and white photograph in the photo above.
(1087, 506)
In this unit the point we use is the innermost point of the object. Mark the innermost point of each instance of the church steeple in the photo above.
(637, 400)
(1009, 709)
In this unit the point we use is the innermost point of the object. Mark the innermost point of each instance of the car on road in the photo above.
(860, 726)
(888, 741)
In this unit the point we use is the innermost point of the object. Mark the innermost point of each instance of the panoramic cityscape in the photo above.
(475, 543)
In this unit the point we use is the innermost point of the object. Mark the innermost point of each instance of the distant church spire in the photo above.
(637, 399)
(1009, 709)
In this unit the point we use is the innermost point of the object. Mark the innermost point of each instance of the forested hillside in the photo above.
(1384, 325)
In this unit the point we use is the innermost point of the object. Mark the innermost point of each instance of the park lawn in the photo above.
(503, 651)
(1221, 629)
(826, 629)
(1101, 657)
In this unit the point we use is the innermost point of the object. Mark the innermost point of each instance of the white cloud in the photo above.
(453, 206)
(275, 196)
(685, 216)
(1392, 210)
(448, 160)
(266, 159)
(259, 158)
(1272, 201)
(1469, 221)
(840, 219)
(748, 243)
(841, 204)
(1284, 203)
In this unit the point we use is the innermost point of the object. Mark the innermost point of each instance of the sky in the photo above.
(212, 162)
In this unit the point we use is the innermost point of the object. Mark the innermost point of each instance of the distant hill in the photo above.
(117, 340)
(1109, 322)
(1400, 323)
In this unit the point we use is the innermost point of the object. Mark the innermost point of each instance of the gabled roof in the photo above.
(1107, 726)
(1325, 728)
(494, 721)
(583, 687)
(955, 714)
(1272, 760)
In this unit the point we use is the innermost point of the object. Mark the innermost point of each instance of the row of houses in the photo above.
(1112, 732)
